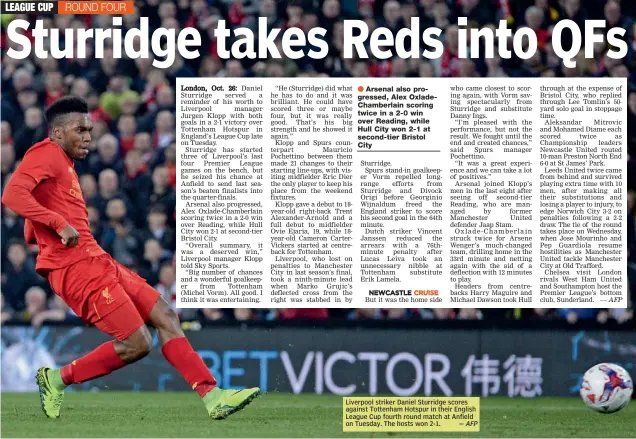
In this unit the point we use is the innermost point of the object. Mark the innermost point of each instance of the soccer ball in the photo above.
(606, 388)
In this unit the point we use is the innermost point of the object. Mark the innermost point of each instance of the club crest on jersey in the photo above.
(109, 298)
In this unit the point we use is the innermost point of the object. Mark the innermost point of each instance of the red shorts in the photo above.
(105, 294)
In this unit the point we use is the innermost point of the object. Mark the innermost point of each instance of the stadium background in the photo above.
(129, 178)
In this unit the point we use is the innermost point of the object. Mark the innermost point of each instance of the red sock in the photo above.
(102, 361)
(189, 364)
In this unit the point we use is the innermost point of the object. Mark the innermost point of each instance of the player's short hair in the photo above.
(60, 109)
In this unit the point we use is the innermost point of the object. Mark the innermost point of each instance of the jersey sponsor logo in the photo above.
(76, 191)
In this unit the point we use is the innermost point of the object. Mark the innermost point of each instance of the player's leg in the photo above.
(176, 348)
(180, 354)
(132, 342)
(154, 310)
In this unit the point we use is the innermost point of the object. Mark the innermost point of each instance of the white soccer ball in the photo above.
(606, 388)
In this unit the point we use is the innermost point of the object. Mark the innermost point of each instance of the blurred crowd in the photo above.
(129, 177)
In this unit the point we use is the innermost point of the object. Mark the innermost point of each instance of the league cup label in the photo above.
(67, 7)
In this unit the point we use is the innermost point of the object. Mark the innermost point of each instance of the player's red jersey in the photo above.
(45, 189)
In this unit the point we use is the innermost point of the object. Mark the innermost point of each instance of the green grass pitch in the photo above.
(128, 414)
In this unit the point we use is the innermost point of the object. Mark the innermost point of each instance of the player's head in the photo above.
(70, 126)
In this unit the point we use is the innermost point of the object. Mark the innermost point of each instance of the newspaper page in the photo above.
(401, 193)
(318, 218)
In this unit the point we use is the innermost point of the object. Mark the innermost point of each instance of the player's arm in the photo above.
(18, 197)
